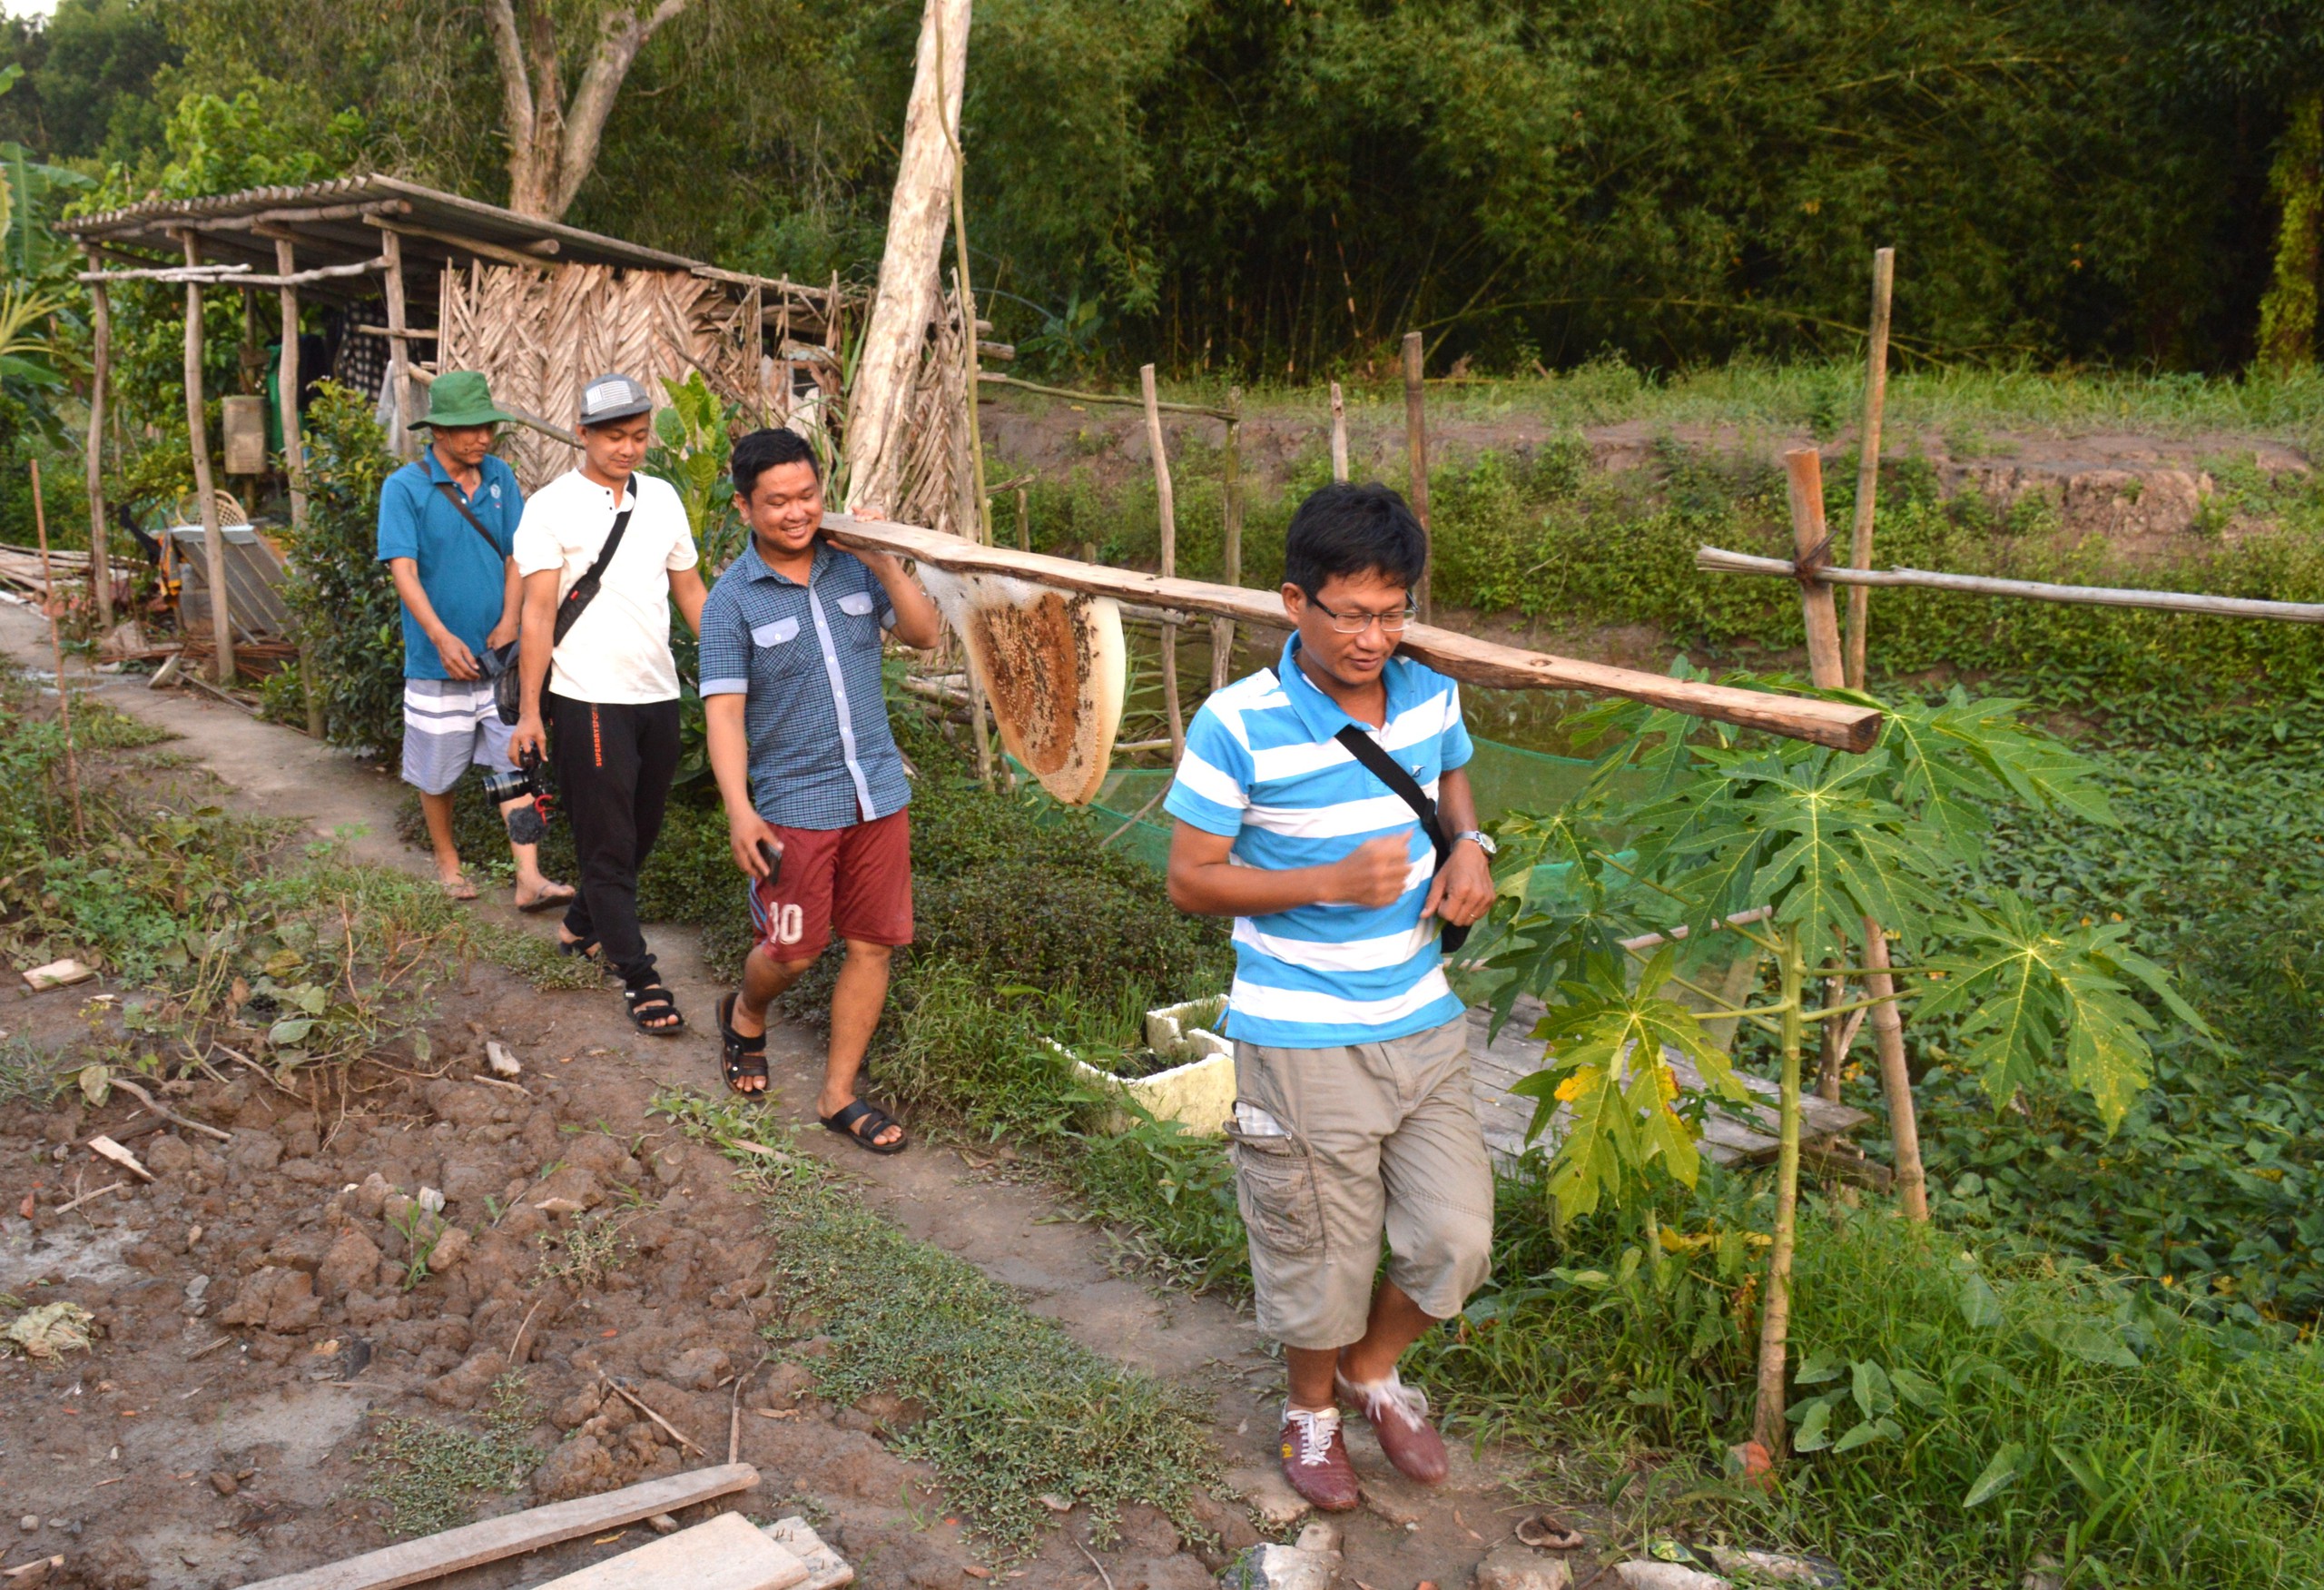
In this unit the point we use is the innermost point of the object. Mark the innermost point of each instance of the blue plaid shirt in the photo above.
(808, 659)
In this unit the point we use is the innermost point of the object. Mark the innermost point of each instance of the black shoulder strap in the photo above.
(606, 552)
(1385, 768)
(453, 492)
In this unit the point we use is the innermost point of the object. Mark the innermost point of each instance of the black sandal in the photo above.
(862, 1124)
(743, 1059)
(648, 1001)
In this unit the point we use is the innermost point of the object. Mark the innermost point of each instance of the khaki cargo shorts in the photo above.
(1376, 1140)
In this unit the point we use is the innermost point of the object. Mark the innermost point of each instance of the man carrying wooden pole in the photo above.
(197, 429)
(1805, 471)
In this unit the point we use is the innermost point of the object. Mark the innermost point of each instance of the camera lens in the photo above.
(510, 786)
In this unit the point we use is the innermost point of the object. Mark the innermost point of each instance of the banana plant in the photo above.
(1806, 845)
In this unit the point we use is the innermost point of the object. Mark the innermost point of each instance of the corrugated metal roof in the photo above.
(427, 207)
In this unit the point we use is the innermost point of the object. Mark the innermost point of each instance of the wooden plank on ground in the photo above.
(728, 1553)
(1839, 723)
(431, 1556)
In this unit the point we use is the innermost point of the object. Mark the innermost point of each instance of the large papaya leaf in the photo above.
(1607, 1066)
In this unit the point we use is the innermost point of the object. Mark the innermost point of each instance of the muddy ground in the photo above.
(258, 1330)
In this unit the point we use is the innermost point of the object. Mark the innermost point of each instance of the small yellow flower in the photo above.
(1571, 1089)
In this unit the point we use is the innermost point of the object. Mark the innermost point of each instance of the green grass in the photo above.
(1014, 1409)
(430, 1476)
(30, 1074)
(2104, 1430)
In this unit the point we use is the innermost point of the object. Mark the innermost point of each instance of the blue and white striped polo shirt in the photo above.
(1261, 765)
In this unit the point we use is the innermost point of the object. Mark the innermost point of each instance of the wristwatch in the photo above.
(1483, 840)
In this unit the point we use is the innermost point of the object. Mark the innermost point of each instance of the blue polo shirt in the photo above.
(808, 659)
(1262, 766)
(466, 580)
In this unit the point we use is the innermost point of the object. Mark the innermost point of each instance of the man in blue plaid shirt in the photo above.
(813, 785)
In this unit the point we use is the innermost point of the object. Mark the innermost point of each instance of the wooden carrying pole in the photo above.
(1805, 475)
(1222, 630)
(294, 460)
(1167, 510)
(1844, 725)
(1718, 560)
(1416, 452)
(1339, 433)
(100, 368)
(1867, 464)
(197, 430)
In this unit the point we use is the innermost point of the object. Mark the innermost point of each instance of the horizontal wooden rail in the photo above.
(1717, 560)
(994, 377)
(1840, 725)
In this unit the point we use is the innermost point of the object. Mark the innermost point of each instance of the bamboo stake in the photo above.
(1222, 630)
(1867, 464)
(1339, 434)
(1888, 1022)
(56, 650)
(1812, 542)
(197, 431)
(294, 462)
(1167, 509)
(1718, 560)
(1024, 521)
(1768, 1427)
(967, 301)
(1416, 451)
(101, 365)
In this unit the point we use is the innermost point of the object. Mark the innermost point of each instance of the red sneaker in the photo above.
(1314, 1459)
(1399, 1417)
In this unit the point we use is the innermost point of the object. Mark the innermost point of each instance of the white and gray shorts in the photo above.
(448, 726)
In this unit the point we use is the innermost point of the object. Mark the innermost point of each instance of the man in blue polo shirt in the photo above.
(808, 768)
(1354, 1118)
(446, 524)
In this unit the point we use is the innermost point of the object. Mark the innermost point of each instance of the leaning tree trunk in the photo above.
(918, 218)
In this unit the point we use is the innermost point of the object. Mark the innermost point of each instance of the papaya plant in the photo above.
(1794, 847)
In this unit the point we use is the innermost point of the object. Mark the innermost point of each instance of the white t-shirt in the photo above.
(618, 651)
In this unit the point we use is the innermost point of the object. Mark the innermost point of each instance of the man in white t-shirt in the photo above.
(603, 675)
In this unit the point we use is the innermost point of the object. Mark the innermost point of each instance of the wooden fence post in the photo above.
(101, 367)
(1867, 465)
(197, 430)
(399, 381)
(56, 651)
(1804, 471)
(1222, 630)
(1416, 450)
(1339, 434)
(1168, 511)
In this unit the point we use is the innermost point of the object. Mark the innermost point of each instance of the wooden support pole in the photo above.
(1339, 433)
(1867, 464)
(197, 431)
(100, 369)
(1805, 473)
(965, 295)
(1718, 560)
(294, 461)
(1416, 452)
(1167, 510)
(1812, 544)
(56, 650)
(399, 351)
(1024, 521)
(1222, 630)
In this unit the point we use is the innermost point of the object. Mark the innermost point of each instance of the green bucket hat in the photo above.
(462, 397)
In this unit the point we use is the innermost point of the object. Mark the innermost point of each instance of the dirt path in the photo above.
(1010, 1231)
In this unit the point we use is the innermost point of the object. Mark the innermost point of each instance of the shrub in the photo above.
(349, 617)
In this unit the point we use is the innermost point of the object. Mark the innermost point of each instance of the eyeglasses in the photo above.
(1394, 623)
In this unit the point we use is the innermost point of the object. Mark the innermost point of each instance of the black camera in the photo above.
(527, 824)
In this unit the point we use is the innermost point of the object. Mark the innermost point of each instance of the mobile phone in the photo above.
(774, 859)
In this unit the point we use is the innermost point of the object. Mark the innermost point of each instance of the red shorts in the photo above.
(856, 880)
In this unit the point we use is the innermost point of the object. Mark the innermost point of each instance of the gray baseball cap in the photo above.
(613, 397)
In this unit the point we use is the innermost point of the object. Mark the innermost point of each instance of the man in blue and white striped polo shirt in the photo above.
(1352, 1117)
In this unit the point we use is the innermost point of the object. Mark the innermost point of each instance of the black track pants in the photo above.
(614, 767)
